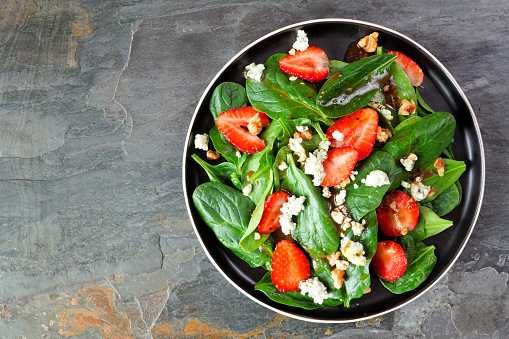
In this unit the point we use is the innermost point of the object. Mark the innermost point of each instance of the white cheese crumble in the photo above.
(201, 141)
(353, 251)
(353, 174)
(339, 198)
(326, 193)
(418, 190)
(337, 135)
(254, 71)
(314, 164)
(314, 288)
(247, 189)
(302, 42)
(282, 166)
(257, 236)
(337, 215)
(290, 208)
(409, 161)
(297, 149)
(238, 154)
(357, 227)
(376, 178)
(405, 184)
(301, 128)
(292, 78)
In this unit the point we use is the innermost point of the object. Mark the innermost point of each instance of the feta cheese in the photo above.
(357, 227)
(247, 189)
(295, 145)
(201, 141)
(418, 190)
(292, 78)
(376, 178)
(409, 161)
(289, 209)
(339, 198)
(337, 135)
(405, 184)
(282, 166)
(302, 42)
(257, 236)
(355, 186)
(314, 288)
(353, 251)
(326, 192)
(238, 154)
(254, 71)
(314, 164)
(301, 128)
(353, 174)
(385, 112)
(337, 215)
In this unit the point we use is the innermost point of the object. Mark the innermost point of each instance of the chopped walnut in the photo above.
(333, 258)
(367, 290)
(382, 134)
(337, 277)
(304, 135)
(407, 107)
(369, 43)
(431, 192)
(255, 124)
(440, 166)
(213, 155)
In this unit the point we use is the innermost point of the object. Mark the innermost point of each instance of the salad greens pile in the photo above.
(233, 213)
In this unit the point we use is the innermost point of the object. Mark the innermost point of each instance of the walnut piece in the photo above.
(369, 43)
(382, 134)
(213, 155)
(337, 277)
(407, 107)
(440, 166)
(255, 124)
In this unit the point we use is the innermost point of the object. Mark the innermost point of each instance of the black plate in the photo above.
(439, 90)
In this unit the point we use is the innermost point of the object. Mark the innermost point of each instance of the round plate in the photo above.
(440, 91)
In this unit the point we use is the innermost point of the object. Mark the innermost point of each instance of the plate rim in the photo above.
(357, 22)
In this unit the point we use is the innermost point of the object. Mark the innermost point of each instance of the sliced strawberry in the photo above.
(397, 214)
(358, 129)
(272, 211)
(389, 261)
(311, 64)
(289, 266)
(230, 124)
(338, 165)
(412, 70)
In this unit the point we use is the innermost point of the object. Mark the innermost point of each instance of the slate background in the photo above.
(95, 102)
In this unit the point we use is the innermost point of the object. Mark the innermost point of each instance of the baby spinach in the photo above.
(452, 171)
(446, 201)
(227, 212)
(226, 96)
(227, 150)
(405, 88)
(217, 173)
(316, 231)
(354, 85)
(364, 199)
(428, 225)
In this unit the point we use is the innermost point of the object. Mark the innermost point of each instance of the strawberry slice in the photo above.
(397, 214)
(389, 261)
(230, 124)
(412, 70)
(272, 211)
(338, 165)
(358, 131)
(311, 64)
(289, 266)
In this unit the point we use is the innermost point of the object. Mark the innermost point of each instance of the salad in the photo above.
(329, 173)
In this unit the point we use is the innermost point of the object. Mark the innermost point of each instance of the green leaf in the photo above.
(227, 96)
(335, 66)
(364, 199)
(217, 173)
(452, 171)
(354, 86)
(417, 271)
(278, 97)
(422, 103)
(227, 212)
(295, 299)
(446, 201)
(428, 225)
(405, 88)
(227, 150)
(315, 231)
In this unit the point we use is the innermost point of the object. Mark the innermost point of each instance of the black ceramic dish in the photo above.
(440, 91)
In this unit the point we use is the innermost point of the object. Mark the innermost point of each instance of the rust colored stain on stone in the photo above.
(98, 312)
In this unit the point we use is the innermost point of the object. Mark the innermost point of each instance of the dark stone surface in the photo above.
(95, 102)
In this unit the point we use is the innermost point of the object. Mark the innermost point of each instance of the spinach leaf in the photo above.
(322, 270)
(446, 201)
(452, 171)
(418, 269)
(315, 231)
(217, 173)
(227, 212)
(226, 96)
(364, 199)
(335, 66)
(428, 225)
(278, 97)
(227, 150)
(354, 85)
(405, 88)
(295, 299)
(422, 103)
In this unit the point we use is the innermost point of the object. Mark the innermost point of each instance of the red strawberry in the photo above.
(338, 165)
(397, 214)
(311, 64)
(289, 266)
(230, 124)
(412, 70)
(358, 129)
(272, 211)
(389, 261)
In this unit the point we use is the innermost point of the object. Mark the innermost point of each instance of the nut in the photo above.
(382, 134)
(337, 277)
(213, 155)
(255, 124)
(407, 107)
(440, 166)
(369, 43)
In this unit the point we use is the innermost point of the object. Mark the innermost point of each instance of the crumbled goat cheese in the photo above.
(254, 71)
(297, 149)
(302, 42)
(282, 166)
(314, 288)
(376, 178)
(357, 227)
(292, 78)
(314, 164)
(355, 186)
(405, 184)
(326, 192)
(289, 209)
(409, 161)
(353, 174)
(247, 189)
(201, 141)
(418, 190)
(339, 198)
(301, 128)
(337, 215)
(337, 135)
(353, 251)
(238, 154)
(385, 112)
